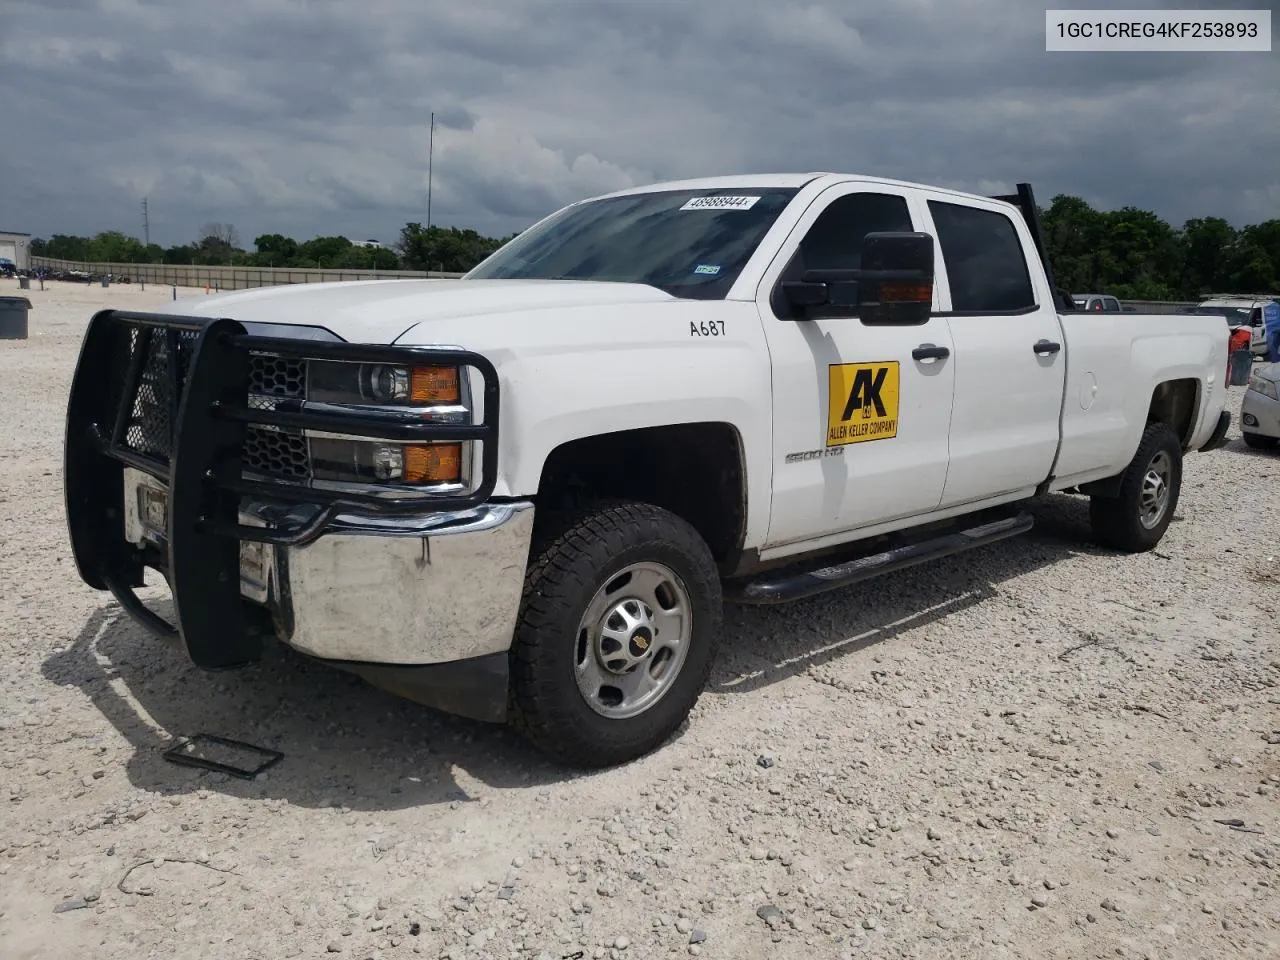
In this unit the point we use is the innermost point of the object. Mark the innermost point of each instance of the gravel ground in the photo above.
(1024, 752)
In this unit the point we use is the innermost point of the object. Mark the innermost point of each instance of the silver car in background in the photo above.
(1260, 409)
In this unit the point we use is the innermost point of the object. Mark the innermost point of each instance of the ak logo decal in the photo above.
(862, 402)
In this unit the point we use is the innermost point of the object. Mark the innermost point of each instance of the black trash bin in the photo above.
(13, 318)
(1240, 367)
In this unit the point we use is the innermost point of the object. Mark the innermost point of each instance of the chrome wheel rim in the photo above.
(633, 640)
(1154, 499)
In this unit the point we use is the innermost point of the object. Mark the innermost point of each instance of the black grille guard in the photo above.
(198, 375)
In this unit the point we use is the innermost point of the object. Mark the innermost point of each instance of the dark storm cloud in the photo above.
(310, 116)
(456, 118)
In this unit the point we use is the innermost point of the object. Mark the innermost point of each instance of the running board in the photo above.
(782, 586)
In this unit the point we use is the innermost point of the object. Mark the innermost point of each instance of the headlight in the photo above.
(380, 383)
(417, 392)
(401, 393)
(1265, 387)
(370, 461)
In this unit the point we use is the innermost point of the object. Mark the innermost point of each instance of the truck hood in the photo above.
(380, 311)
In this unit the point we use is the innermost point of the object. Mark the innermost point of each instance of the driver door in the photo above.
(861, 413)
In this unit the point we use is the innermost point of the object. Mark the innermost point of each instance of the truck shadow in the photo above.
(344, 742)
(348, 744)
(765, 645)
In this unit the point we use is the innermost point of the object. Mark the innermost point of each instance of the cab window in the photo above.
(834, 241)
(986, 265)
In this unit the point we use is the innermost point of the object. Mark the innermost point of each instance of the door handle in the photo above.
(1045, 348)
(930, 352)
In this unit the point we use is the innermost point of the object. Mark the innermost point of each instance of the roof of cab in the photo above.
(791, 180)
(1237, 300)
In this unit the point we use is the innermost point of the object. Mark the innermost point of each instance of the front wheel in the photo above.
(621, 616)
(1136, 519)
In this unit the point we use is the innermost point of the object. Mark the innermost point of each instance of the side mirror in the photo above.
(896, 286)
(893, 286)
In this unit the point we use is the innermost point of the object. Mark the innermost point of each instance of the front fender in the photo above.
(570, 375)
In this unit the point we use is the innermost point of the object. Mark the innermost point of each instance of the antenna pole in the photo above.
(431, 138)
(146, 224)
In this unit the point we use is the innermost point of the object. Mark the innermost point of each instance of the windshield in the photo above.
(690, 243)
(1234, 315)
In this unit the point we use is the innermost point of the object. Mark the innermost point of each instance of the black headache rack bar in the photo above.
(189, 377)
(1025, 201)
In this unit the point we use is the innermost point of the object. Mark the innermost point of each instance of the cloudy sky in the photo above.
(310, 117)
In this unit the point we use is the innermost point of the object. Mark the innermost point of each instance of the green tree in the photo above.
(112, 246)
(1207, 243)
(443, 248)
(1141, 256)
(322, 252)
(63, 247)
(218, 245)
(183, 254)
(213, 252)
(384, 258)
(1253, 264)
(1074, 238)
(274, 250)
(367, 258)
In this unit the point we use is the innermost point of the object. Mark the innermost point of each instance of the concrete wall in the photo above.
(1158, 306)
(238, 278)
(224, 278)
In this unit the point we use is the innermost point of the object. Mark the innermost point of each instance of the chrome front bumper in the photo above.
(408, 591)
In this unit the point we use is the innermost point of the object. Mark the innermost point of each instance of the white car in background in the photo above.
(1260, 409)
(1242, 310)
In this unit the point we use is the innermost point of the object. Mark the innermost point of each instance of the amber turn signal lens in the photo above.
(434, 385)
(906, 293)
(436, 463)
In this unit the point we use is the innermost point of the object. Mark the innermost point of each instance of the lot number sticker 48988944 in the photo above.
(862, 403)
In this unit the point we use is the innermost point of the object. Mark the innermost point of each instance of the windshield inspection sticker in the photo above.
(721, 202)
(863, 402)
(710, 269)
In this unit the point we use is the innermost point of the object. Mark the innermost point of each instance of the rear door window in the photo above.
(986, 267)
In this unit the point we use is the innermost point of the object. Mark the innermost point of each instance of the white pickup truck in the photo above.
(524, 495)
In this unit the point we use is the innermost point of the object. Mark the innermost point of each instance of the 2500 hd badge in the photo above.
(803, 455)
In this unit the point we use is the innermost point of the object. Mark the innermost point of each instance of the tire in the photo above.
(577, 572)
(1259, 442)
(1136, 519)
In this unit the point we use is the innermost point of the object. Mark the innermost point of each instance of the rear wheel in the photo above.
(614, 645)
(1259, 442)
(1136, 518)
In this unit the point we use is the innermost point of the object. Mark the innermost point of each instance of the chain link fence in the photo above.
(222, 278)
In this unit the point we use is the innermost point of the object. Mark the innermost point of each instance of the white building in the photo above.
(16, 247)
